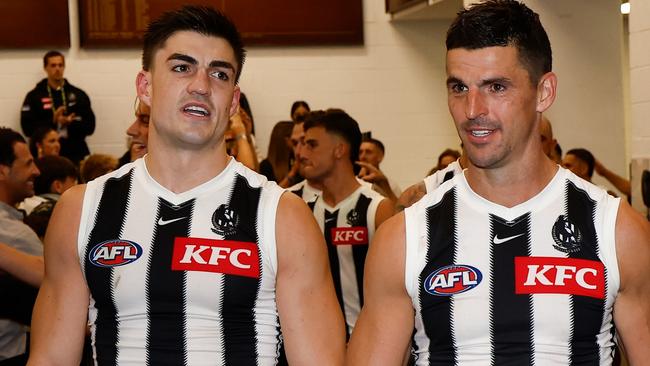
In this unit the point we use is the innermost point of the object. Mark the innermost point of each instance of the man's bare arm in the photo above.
(411, 195)
(632, 307)
(310, 316)
(382, 333)
(384, 211)
(60, 313)
(25, 267)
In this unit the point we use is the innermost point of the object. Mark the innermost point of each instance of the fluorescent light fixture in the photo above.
(625, 8)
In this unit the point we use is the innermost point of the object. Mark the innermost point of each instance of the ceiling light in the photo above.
(625, 8)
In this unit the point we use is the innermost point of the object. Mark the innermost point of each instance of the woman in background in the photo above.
(44, 142)
(277, 163)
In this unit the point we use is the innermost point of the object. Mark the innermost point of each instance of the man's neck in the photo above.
(180, 171)
(56, 84)
(512, 184)
(338, 186)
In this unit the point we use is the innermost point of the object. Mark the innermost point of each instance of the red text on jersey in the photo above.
(220, 256)
(349, 235)
(551, 275)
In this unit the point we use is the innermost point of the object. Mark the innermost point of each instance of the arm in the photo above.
(60, 313)
(25, 267)
(622, 184)
(245, 151)
(382, 333)
(411, 195)
(311, 319)
(632, 307)
(384, 211)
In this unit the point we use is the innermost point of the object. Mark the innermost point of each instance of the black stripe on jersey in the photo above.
(441, 251)
(165, 289)
(448, 176)
(511, 320)
(108, 225)
(298, 192)
(331, 219)
(359, 252)
(587, 312)
(240, 293)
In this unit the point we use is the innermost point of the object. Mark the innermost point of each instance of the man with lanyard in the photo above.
(515, 261)
(56, 103)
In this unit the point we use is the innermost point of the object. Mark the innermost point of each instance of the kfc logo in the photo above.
(219, 256)
(357, 235)
(551, 275)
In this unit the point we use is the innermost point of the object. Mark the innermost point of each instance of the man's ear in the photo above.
(56, 186)
(143, 86)
(4, 172)
(235, 101)
(546, 91)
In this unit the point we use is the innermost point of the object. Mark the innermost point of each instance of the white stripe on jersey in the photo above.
(434, 180)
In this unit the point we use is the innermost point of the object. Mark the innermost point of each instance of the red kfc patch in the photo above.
(356, 235)
(551, 275)
(220, 256)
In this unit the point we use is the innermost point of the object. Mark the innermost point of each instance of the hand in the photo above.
(237, 124)
(61, 119)
(599, 167)
(371, 174)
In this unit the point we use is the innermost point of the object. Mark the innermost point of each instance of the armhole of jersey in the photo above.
(411, 230)
(88, 206)
(268, 213)
(371, 218)
(609, 240)
(428, 182)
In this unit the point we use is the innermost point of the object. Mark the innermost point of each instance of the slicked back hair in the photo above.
(8, 138)
(338, 122)
(502, 23)
(203, 20)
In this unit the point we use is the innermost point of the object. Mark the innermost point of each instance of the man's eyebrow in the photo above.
(496, 81)
(182, 57)
(224, 64)
(454, 80)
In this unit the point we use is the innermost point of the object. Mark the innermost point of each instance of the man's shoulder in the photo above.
(38, 89)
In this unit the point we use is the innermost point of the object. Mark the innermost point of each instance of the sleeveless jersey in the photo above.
(434, 180)
(532, 284)
(348, 228)
(181, 279)
(304, 191)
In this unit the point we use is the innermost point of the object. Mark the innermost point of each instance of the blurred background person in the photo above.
(445, 158)
(299, 110)
(580, 162)
(44, 142)
(371, 154)
(138, 133)
(239, 142)
(280, 155)
(97, 165)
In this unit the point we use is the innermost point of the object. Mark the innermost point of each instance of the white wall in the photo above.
(640, 78)
(393, 85)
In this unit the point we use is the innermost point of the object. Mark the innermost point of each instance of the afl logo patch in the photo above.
(566, 235)
(114, 253)
(452, 280)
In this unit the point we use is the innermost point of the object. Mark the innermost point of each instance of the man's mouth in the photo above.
(196, 110)
(480, 133)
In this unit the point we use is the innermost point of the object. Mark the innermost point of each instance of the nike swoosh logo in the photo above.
(162, 222)
(498, 241)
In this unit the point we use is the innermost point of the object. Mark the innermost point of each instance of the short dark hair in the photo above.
(504, 23)
(379, 144)
(448, 152)
(53, 168)
(586, 156)
(201, 19)
(52, 53)
(336, 121)
(37, 138)
(8, 138)
(297, 104)
(558, 150)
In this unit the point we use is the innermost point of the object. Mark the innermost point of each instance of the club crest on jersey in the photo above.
(452, 280)
(224, 220)
(114, 253)
(566, 235)
(353, 218)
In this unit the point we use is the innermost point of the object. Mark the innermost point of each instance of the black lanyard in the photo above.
(49, 93)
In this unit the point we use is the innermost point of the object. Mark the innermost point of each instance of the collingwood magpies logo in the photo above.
(566, 235)
(353, 218)
(225, 221)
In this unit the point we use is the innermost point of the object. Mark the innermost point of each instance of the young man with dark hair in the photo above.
(515, 261)
(56, 103)
(17, 174)
(348, 212)
(371, 154)
(186, 257)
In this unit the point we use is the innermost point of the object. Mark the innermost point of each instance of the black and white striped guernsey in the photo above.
(303, 190)
(434, 180)
(348, 228)
(529, 285)
(181, 279)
